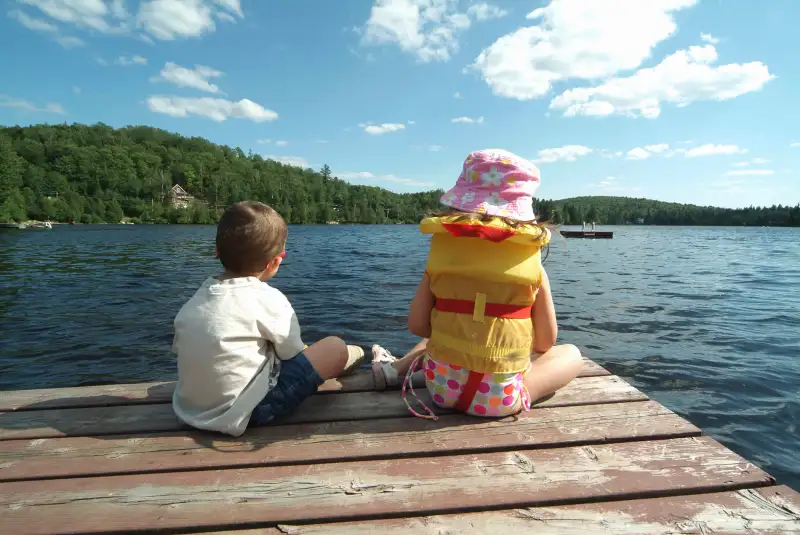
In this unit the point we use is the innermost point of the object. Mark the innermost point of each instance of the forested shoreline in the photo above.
(98, 174)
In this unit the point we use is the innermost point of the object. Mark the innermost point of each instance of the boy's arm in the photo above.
(281, 327)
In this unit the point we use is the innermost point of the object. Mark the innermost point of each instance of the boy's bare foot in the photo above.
(355, 356)
(382, 370)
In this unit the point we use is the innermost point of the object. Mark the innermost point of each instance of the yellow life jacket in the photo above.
(484, 276)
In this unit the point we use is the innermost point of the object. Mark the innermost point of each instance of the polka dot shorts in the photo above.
(498, 395)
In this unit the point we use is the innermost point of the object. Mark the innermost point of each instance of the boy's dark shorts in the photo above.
(297, 381)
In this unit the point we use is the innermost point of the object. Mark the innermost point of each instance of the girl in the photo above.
(484, 307)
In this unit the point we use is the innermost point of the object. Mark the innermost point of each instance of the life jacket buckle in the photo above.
(479, 312)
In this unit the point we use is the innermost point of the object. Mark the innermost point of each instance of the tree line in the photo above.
(98, 174)
(626, 210)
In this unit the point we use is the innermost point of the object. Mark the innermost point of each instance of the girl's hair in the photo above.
(541, 226)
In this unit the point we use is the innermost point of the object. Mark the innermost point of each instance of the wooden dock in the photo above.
(597, 457)
(588, 234)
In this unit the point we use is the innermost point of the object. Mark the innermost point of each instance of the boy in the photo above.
(240, 356)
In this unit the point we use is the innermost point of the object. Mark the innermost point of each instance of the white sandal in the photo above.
(382, 369)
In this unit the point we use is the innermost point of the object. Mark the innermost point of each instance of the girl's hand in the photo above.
(545, 328)
(419, 314)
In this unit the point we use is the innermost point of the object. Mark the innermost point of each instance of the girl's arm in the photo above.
(545, 328)
(419, 314)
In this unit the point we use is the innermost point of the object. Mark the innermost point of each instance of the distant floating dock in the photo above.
(588, 234)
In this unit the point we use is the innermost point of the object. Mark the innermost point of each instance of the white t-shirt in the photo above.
(228, 338)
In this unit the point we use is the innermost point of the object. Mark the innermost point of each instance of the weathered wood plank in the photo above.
(339, 441)
(161, 392)
(128, 419)
(770, 510)
(367, 489)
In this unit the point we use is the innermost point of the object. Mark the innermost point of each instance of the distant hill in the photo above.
(96, 173)
(628, 210)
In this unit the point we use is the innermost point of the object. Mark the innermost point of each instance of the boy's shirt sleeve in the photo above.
(280, 325)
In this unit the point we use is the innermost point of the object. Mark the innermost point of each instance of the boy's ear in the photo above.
(274, 263)
(216, 252)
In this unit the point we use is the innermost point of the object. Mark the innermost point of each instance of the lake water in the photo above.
(704, 320)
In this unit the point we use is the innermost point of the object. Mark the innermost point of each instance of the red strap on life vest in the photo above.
(468, 394)
(494, 310)
(493, 234)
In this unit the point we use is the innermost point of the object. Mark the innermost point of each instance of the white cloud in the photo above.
(77, 90)
(657, 149)
(759, 161)
(264, 141)
(426, 28)
(710, 149)
(682, 78)
(69, 41)
(728, 183)
(366, 175)
(217, 109)
(567, 153)
(22, 104)
(197, 78)
(39, 25)
(87, 14)
(794, 144)
(741, 164)
(614, 185)
(297, 161)
(32, 23)
(226, 17)
(576, 40)
(750, 172)
(467, 120)
(162, 19)
(486, 12)
(643, 153)
(124, 61)
(411, 122)
(638, 154)
(610, 155)
(435, 148)
(118, 9)
(322, 141)
(172, 19)
(378, 129)
(708, 38)
(457, 95)
(281, 143)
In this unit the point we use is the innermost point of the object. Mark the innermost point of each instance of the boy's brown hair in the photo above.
(249, 235)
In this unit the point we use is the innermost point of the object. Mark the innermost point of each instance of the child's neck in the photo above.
(226, 275)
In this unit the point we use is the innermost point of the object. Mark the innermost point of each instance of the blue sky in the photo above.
(678, 100)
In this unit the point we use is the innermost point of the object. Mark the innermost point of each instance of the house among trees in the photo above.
(179, 197)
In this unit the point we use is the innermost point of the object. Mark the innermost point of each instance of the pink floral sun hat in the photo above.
(495, 182)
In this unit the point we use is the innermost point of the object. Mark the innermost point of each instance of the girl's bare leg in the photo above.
(552, 370)
(403, 364)
(391, 370)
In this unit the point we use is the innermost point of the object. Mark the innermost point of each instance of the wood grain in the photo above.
(369, 489)
(763, 511)
(339, 441)
(96, 421)
(161, 392)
